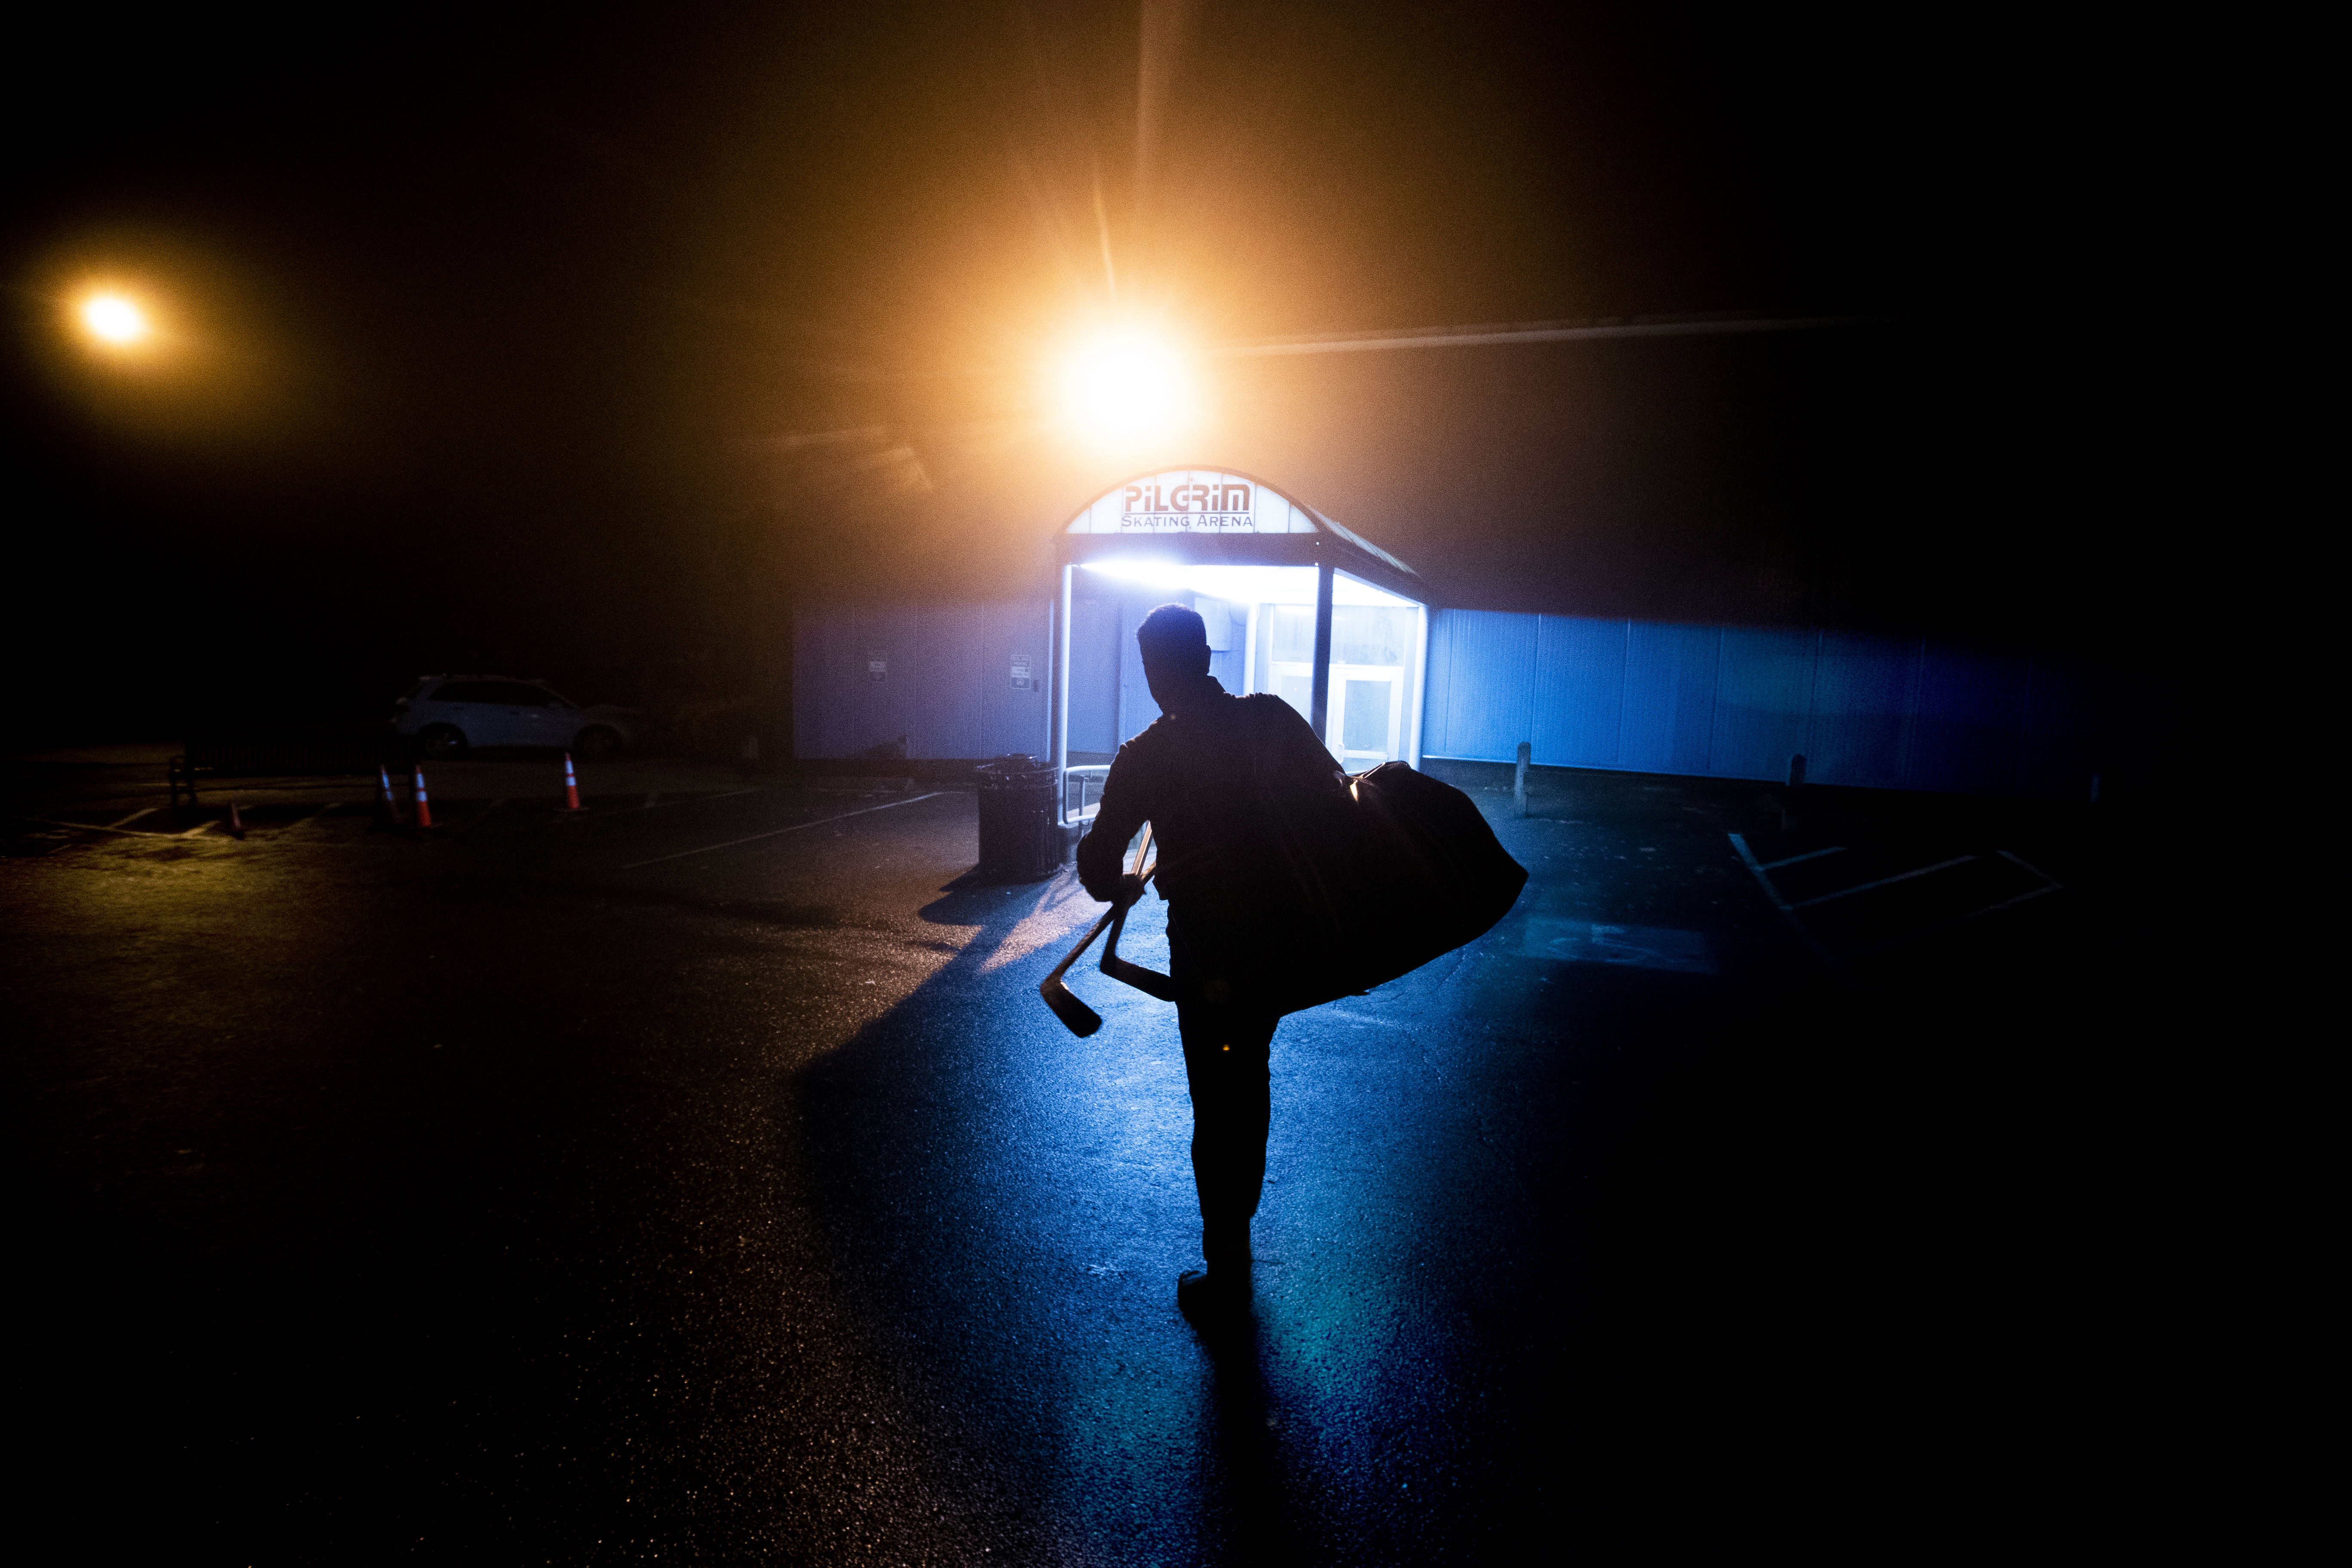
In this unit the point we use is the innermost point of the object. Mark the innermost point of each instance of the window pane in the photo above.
(1367, 634)
(1294, 632)
(1365, 724)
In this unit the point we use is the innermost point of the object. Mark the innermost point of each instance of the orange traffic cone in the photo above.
(571, 786)
(236, 820)
(423, 805)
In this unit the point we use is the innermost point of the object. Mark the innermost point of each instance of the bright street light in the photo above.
(1126, 387)
(113, 320)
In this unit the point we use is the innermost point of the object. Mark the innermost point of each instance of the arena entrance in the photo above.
(1295, 605)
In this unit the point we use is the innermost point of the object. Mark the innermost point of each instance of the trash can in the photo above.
(1020, 837)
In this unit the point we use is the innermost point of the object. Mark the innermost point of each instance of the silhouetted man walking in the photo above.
(1245, 807)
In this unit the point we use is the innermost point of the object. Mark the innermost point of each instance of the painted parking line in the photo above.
(1788, 913)
(651, 802)
(1882, 882)
(127, 821)
(1807, 855)
(1957, 920)
(1836, 961)
(2022, 864)
(576, 822)
(2050, 884)
(306, 818)
(777, 832)
(97, 827)
(654, 802)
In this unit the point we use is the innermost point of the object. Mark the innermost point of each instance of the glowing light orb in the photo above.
(1126, 387)
(112, 319)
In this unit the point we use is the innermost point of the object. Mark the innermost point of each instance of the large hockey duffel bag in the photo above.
(1451, 879)
(1415, 874)
(1424, 875)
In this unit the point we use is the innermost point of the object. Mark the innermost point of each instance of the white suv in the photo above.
(449, 713)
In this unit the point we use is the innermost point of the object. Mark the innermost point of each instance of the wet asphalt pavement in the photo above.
(701, 1178)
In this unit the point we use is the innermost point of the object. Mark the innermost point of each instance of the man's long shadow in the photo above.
(926, 1135)
(1259, 1516)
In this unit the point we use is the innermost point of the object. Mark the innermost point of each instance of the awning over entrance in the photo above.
(1295, 605)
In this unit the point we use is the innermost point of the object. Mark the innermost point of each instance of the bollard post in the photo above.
(1519, 781)
(388, 815)
(1797, 770)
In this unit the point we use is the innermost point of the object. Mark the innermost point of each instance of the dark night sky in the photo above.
(486, 336)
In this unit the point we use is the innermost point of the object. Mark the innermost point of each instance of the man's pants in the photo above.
(1225, 1061)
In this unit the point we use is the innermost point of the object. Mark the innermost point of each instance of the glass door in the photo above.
(1367, 717)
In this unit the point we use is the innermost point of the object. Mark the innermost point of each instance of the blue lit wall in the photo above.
(1732, 703)
(947, 689)
(1735, 702)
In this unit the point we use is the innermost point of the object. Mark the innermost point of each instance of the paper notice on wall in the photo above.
(1022, 680)
(877, 665)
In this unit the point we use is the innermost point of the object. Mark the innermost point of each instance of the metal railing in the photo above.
(1084, 775)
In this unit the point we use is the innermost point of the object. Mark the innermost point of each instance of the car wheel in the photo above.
(441, 741)
(597, 741)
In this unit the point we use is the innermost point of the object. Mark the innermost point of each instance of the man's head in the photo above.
(1175, 644)
(1175, 639)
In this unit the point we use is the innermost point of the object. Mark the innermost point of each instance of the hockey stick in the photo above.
(1081, 1019)
(1150, 982)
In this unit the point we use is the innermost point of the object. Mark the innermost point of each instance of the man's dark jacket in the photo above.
(1250, 820)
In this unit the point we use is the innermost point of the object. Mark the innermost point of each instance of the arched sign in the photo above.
(1193, 500)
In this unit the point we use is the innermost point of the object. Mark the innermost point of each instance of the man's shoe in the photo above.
(1218, 1296)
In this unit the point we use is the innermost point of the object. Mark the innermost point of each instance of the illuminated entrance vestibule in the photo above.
(1295, 605)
